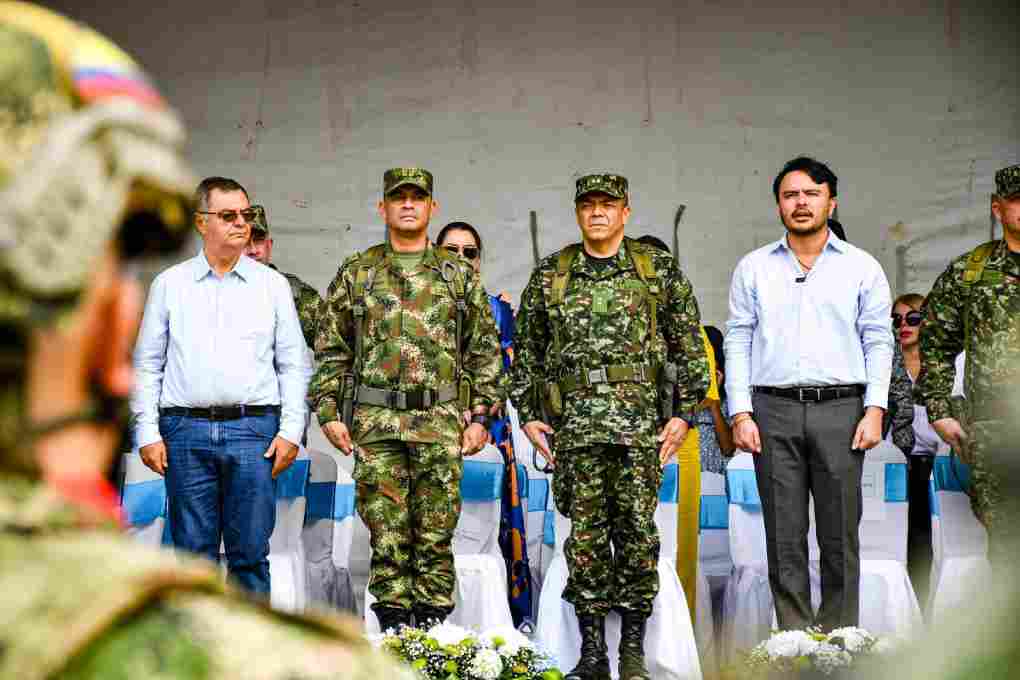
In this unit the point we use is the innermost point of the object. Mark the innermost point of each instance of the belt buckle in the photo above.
(215, 413)
(640, 373)
(817, 390)
(397, 400)
(417, 400)
(598, 375)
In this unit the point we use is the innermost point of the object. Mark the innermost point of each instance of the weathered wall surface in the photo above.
(914, 104)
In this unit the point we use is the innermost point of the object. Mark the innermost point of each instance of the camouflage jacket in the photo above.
(991, 307)
(92, 603)
(899, 417)
(409, 344)
(607, 321)
(307, 302)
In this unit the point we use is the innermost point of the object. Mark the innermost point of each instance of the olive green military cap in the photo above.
(260, 225)
(611, 185)
(394, 178)
(1007, 182)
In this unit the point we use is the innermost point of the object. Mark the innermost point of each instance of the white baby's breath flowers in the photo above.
(790, 644)
(854, 639)
(487, 664)
(829, 657)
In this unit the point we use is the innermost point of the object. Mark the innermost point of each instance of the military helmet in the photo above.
(89, 155)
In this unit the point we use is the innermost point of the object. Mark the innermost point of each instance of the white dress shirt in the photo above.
(830, 328)
(207, 341)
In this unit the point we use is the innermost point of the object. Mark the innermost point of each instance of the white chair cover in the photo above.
(143, 501)
(670, 648)
(288, 590)
(961, 563)
(714, 563)
(328, 533)
(481, 589)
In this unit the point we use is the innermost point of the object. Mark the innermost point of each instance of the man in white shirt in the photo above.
(808, 359)
(222, 375)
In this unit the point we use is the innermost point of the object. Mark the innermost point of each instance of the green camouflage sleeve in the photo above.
(941, 340)
(531, 345)
(334, 342)
(899, 417)
(308, 302)
(483, 359)
(681, 326)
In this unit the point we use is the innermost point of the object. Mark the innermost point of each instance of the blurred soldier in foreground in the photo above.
(91, 178)
(609, 352)
(306, 298)
(974, 306)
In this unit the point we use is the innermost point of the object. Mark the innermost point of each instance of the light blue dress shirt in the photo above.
(831, 329)
(212, 341)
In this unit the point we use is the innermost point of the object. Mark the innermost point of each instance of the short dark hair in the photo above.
(818, 171)
(459, 226)
(206, 186)
(653, 241)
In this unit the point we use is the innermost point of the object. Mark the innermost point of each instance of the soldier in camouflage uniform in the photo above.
(306, 298)
(975, 306)
(91, 175)
(391, 386)
(605, 330)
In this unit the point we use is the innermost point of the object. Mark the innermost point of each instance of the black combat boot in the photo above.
(594, 661)
(392, 618)
(427, 615)
(632, 646)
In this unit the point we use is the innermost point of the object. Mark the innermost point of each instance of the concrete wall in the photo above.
(913, 103)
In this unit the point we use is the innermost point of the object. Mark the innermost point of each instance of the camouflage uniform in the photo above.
(306, 298)
(899, 417)
(80, 599)
(990, 305)
(408, 462)
(607, 465)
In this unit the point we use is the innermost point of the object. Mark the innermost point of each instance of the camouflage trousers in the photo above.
(994, 489)
(408, 495)
(610, 494)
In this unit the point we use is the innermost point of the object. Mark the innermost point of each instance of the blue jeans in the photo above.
(219, 484)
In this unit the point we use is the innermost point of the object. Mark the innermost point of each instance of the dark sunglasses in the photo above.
(913, 318)
(249, 214)
(470, 252)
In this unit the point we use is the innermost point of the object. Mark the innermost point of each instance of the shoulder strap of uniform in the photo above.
(641, 256)
(561, 280)
(976, 262)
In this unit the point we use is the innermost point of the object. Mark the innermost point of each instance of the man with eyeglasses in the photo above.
(306, 298)
(222, 376)
(406, 344)
(974, 306)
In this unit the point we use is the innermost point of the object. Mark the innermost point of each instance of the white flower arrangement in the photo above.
(448, 651)
(810, 652)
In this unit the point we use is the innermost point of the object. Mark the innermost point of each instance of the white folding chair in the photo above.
(481, 589)
(327, 534)
(288, 591)
(143, 502)
(714, 562)
(747, 610)
(961, 563)
(670, 648)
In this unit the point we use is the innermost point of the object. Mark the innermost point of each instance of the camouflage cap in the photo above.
(261, 223)
(611, 185)
(89, 155)
(1007, 182)
(394, 178)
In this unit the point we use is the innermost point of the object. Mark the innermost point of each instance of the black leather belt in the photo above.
(812, 393)
(222, 412)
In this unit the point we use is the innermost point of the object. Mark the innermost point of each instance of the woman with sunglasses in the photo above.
(463, 239)
(907, 320)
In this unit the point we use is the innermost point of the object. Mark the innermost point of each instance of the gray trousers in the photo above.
(806, 449)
